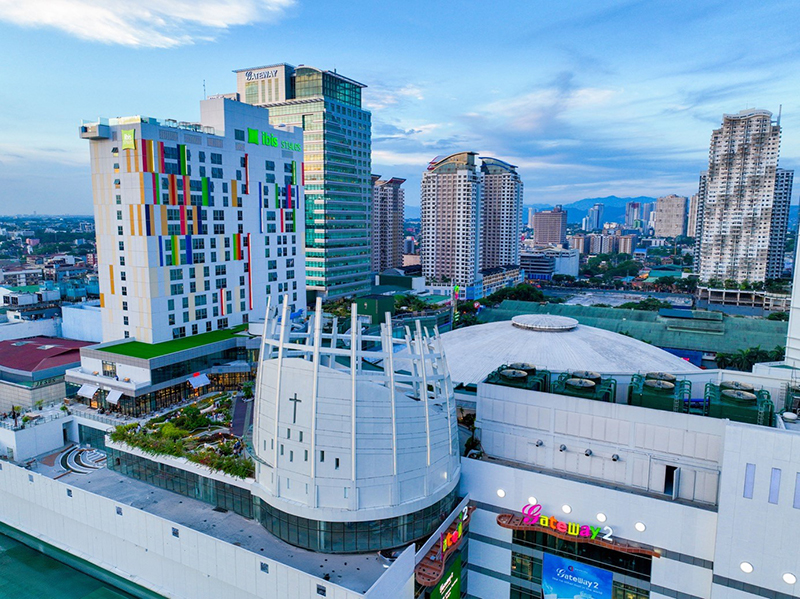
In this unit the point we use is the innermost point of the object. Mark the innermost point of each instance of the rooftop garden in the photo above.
(146, 351)
(199, 433)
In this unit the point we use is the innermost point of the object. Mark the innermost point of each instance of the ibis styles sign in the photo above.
(267, 139)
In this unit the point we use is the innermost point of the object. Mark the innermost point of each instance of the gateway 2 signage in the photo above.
(533, 516)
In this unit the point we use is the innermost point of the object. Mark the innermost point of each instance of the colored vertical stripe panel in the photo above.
(294, 221)
(283, 230)
(302, 173)
(250, 269)
(277, 196)
(288, 196)
(176, 257)
(183, 220)
(131, 219)
(144, 147)
(160, 251)
(148, 220)
(234, 194)
(186, 191)
(204, 183)
(196, 221)
(141, 188)
(260, 207)
(222, 302)
(155, 188)
(138, 210)
(294, 172)
(198, 218)
(189, 256)
(182, 155)
(111, 277)
(247, 171)
(161, 167)
(173, 190)
(163, 220)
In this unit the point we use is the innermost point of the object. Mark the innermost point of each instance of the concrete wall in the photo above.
(83, 322)
(669, 525)
(50, 327)
(26, 397)
(758, 531)
(33, 440)
(646, 441)
(141, 547)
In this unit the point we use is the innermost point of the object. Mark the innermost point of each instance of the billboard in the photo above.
(565, 579)
(450, 585)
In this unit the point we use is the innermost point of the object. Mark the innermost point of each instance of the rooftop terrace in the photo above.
(357, 572)
(147, 351)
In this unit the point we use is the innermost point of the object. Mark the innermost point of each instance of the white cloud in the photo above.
(378, 97)
(145, 23)
(388, 157)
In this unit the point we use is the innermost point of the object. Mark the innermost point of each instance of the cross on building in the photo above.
(295, 400)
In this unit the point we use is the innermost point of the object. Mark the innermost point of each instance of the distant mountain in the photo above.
(614, 210)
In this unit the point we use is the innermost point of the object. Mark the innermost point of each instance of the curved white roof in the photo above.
(474, 352)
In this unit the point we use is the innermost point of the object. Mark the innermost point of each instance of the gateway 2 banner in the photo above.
(566, 579)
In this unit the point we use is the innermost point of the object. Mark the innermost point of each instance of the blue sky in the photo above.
(589, 98)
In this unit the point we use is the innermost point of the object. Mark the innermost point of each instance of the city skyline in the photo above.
(595, 111)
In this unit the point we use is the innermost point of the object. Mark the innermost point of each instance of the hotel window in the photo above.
(124, 305)
(109, 369)
(119, 214)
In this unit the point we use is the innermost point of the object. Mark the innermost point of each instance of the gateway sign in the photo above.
(256, 75)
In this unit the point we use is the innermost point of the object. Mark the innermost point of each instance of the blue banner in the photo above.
(566, 579)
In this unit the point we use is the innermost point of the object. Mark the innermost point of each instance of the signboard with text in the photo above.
(566, 579)
(450, 585)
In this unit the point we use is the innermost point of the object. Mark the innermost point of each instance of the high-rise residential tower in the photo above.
(194, 231)
(450, 209)
(336, 169)
(691, 217)
(670, 220)
(743, 203)
(387, 223)
(550, 227)
(593, 219)
(501, 208)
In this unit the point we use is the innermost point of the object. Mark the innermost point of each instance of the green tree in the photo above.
(782, 316)
(650, 304)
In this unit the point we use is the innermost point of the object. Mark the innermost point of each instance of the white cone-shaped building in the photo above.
(349, 456)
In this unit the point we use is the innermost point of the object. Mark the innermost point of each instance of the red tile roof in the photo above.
(39, 353)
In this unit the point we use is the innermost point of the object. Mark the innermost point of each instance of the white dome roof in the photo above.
(553, 343)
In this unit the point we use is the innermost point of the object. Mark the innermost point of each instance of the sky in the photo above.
(589, 98)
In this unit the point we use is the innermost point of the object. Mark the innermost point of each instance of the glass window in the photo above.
(775, 485)
(749, 480)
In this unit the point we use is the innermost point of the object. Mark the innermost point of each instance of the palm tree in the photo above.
(723, 360)
(778, 354)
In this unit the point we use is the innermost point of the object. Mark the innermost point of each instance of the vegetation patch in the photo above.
(199, 433)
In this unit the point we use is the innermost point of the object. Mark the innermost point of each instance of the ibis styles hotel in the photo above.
(198, 226)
